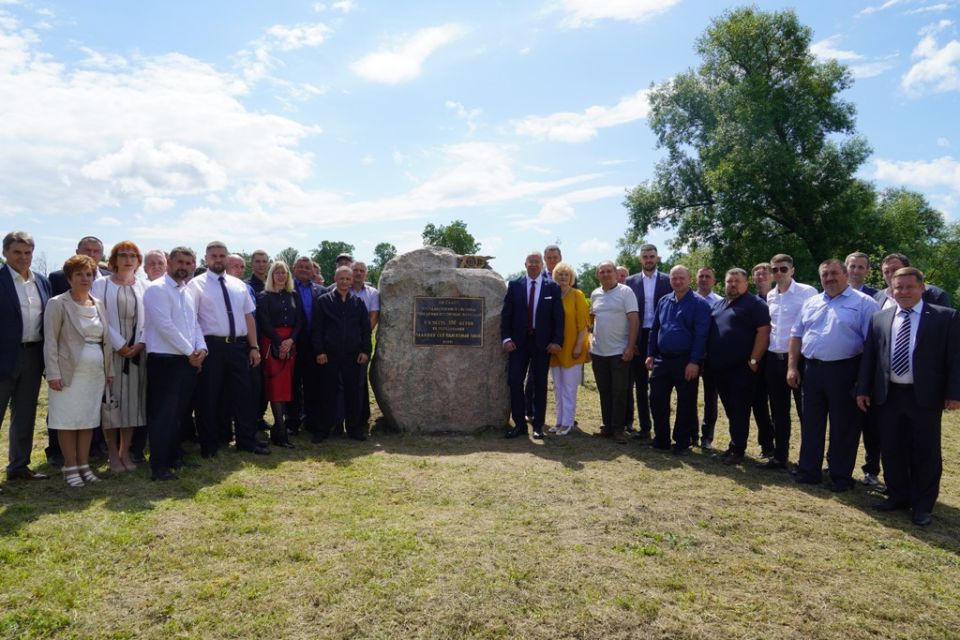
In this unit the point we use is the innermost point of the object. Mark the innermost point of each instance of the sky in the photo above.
(271, 125)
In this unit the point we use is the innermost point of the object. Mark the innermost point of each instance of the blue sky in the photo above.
(279, 124)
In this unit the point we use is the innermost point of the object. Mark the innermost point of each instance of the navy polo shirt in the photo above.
(680, 327)
(733, 330)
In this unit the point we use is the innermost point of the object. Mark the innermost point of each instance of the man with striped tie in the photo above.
(910, 371)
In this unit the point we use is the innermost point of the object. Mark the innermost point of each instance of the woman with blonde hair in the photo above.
(78, 358)
(566, 367)
(278, 316)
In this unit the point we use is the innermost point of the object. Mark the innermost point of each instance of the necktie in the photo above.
(533, 290)
(226, 301)
(900, 364)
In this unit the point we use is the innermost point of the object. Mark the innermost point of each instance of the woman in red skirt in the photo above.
(278, 315)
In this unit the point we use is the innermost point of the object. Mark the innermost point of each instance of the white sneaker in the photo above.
(871, 480)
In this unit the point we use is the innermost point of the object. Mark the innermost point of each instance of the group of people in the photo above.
(183, 353)
(883, 364)
(200, 353)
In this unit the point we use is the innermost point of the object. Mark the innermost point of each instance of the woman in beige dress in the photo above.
(77, 358)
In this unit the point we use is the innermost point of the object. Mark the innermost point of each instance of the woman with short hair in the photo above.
(566, 366)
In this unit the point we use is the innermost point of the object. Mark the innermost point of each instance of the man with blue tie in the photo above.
(531, 328)
(910, 372)
(23, 297)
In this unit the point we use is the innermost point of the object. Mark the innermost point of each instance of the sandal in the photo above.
(72, 476)
(88, 474)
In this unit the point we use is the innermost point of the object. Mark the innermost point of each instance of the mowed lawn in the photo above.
(408, 536)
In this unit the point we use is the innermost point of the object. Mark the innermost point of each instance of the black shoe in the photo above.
(643, 435)
(922, 518)
(659, 445)
(680, 451)
(516, 432)
(257, 449)
(733, 459)
(840, 487)
(800, 479)
(538, 434)
(360, 437)
(772, 463)
(163, 475)
(767, 453)
(726, 454)
(889, 505)
(138, 457)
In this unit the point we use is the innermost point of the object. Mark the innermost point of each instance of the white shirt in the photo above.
(31, 308)
(212, 310)
(649, 289)
(906, 378)
(170, 319)
(784, 309)
(370, 297)
(711, 298)
(536, 295)
(611, 330)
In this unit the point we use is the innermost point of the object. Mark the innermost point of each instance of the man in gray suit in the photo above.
(910, 370)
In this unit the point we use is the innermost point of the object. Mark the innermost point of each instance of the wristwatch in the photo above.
(254, 348)
(753, 362)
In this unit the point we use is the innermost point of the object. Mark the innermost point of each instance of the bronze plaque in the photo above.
(448, 321)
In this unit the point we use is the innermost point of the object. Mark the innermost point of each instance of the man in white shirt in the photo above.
(225, 311)
(175, 352)
(784, 301)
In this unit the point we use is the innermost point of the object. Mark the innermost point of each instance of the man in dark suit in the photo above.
(23, 297)
(891, 264)
(649, 286)
(858, 268)
(304, 407)
(531, 327)
(911, 371)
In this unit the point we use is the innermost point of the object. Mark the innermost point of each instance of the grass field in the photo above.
(473, 536)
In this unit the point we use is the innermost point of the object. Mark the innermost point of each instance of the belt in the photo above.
(828, 362)
(30, 345)
(778, 356)
(99, 343)
(901, 385)
(166, 356)
(226, 339)
(685, 354)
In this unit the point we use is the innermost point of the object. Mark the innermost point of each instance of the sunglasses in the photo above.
(780, 269)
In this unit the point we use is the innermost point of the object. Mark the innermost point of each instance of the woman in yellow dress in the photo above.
(566, 366)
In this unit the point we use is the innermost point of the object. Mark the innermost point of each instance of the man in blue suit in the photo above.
(649, 286)
(23, 297)
(531, 327)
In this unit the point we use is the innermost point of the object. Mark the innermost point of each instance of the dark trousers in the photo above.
(709, 423)
(828, 392)
(640, 381)
(226, 366)
(365, 391)
(910, 445)
(305, 405)
(872, 442)
(735, 386)
(780, 393)
(20, 390)
(761, 409)
(522, 360)
(172, 381)
(528, 393)
(612, 375)
(341, 368)
(667, 375)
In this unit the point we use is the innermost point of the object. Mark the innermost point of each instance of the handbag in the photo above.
(110, 411)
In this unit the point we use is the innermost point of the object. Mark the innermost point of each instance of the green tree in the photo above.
(288, 255)
(382, 254)
(326, 256)
(587, 279)
(453, 236)
(761, 151)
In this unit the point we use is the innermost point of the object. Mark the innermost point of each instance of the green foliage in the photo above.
(288, 255)
(587, 278)
(453, 236)
(761, 151)
(326, 256)
(382, 254)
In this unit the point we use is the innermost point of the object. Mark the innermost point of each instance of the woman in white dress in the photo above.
(78, 364)
(122, 298)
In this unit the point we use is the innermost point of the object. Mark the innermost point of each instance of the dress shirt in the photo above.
(211, 309)
(305, 290)
(170, 319)
(906, 378)
(31, 309)
(371, 297)
(609, 309)
(536, 297)
(680, 327)
(834, 328)
(888, 300)
(649, 289)
(711, 298)
(784, 309)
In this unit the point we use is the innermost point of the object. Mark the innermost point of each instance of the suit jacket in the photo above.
(932, 294)
(64, 340)
(660, 289)
(935, 360)
(870, 291)
(11, 327)
(59, 284)
(548, 325)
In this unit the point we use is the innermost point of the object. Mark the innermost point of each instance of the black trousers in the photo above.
(872, 442)
(172, 381)
(667, 375)
(305, 406)
(226, 367)
(341, 368)
(521, 362)
(736, 386)
(19, 391)
(640, 382)
(910, 446)
(709, 423)
(761, 409)
(828, 392)
(613, 385)
(780, 394)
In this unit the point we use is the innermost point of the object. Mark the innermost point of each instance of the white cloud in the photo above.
(942, 172)
(102, 60)
(933, 8)
(470, 115)
(108, 221)
(870, 69)
(368, 160)
(572, 127)
(404, 62)
(346, 6)
(257, 59)
(938, 68)
(883, 7)
(595, 246)
(826, 49)
(585, 13)
(943, 142)
(560, 209)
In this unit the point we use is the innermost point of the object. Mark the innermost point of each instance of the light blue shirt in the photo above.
(834, 328)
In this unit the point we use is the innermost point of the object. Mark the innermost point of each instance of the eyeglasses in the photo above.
(126, 254)
(780, 269)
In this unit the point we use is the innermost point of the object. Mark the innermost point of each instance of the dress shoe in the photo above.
(733, 459)
(840, 487)
(163, 475)
(659, 445)
(516, 432)
(922, 518)
(772, 463)
(871, 480)
(889, 505)
(620, 437)
(257, 449)
(538, 433)
(680, 451)
(26, 474)
(359, 437)
(706, 443)
(801, 479)
(643, 435)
